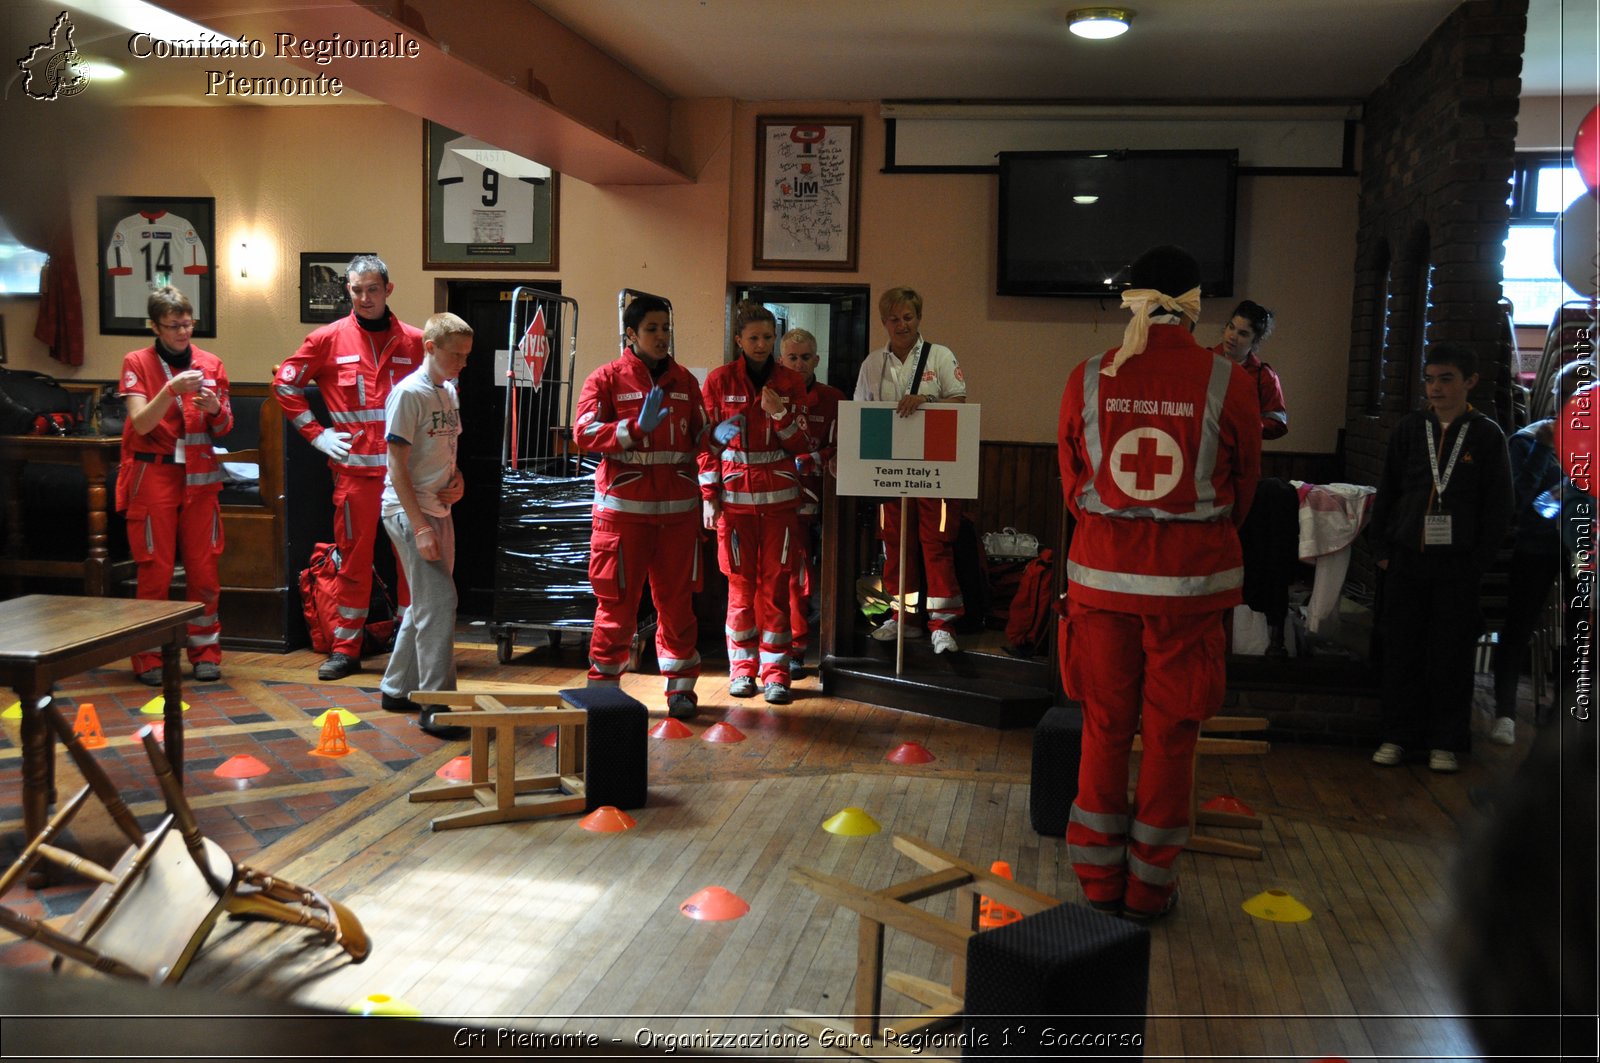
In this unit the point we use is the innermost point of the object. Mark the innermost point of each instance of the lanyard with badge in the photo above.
(1436, 525)
(178, 456)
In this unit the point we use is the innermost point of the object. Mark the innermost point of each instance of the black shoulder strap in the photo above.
(922, 363)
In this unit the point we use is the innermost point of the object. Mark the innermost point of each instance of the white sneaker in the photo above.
(1504, 732)
(1443, 761)
(887, 631)
(1388, 754)
(944, 642)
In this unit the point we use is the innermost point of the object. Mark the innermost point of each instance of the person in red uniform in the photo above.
(1247, 328)
(751, 491)
(355, 362)
(169, 477)
(643, 414)
(1160, 449)
(798, 351)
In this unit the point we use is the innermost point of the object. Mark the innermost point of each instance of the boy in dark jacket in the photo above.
(1442, 509)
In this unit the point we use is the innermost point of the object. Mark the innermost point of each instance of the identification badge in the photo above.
(347, 359)
(1436, 529)
(177, 454)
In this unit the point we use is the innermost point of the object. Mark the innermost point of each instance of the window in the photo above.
(19, 265)
(1542, 186)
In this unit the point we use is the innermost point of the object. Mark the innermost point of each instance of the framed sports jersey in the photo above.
(484, 207)
(150, 241)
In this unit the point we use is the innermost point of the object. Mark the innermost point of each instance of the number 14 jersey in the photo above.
(150, 250)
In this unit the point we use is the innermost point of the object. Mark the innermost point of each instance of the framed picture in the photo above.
(808, 186)
(149, 241)
(324, 296)
(485, 208)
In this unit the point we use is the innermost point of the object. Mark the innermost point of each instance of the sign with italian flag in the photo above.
(933, 453)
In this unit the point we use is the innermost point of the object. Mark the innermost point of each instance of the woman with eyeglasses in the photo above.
(169, 477)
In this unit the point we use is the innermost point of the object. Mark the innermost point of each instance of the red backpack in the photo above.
(1028, 625)
(319, 599)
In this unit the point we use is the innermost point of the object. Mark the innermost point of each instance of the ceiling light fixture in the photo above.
(1099, 23)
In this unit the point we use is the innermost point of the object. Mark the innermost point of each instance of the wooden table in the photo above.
(96, 455)
(47, 637)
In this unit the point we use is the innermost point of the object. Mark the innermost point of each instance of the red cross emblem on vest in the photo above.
(1146, 464)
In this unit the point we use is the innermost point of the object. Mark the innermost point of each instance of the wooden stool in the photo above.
(587, 775)
(892, 907)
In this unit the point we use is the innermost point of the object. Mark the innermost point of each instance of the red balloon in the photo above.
(1586, 150)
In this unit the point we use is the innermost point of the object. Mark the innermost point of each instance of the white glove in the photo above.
(334, 444)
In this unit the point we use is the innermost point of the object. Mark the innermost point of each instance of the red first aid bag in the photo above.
(1028, 624)
(319, 595)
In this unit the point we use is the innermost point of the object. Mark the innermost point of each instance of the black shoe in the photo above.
(1144, 918)
(448, 732)
(391, 703)
(1108, 907)
(681, 706)
(150, 677)
(207, 672)
(337, 666)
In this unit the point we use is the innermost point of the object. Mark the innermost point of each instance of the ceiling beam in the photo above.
(471, 87)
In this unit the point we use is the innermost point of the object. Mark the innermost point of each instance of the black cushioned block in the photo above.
(1057, 747)
(1064, 972)
(616, 766)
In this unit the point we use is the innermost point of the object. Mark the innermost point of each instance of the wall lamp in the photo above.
(1099, 23)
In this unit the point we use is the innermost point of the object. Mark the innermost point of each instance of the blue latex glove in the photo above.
(651, 412)
(728, 430)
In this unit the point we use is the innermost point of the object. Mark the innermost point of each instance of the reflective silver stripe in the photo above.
(1097, 855)
(1089, 497)
(197, 439)
(208, 639)
(343, 633)
(1277, 415)
(789, 429)
(347, 613)
(774, 658)
(1150, 874)
(739, 636)
(208, 620)
(301, 420)
(946, 603)
(711, 477)
(198, 479)
(1205, 463)
(808, 509)
(606, 669)
(761, 498)
(754, 457)
(1155, 586)
(592, 428)
(1158, 836)
(783, 554)
(365, 460)
(624, 436)
(1111, 824)
(149, 535)
(674, 664)
(1210, 516)
(681, 684)
(652, 457)
(775, 638)
(629, 505)
(289, 391)
(741, 653)
(355, 416)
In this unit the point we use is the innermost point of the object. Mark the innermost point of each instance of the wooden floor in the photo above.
(545, 926)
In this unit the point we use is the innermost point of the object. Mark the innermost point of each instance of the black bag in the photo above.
(34, 404)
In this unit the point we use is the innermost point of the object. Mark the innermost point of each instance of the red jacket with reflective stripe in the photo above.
(822, 422)
(643, 476)
(756, 470)
(1159, 465)
(142, 375)
(355, 370)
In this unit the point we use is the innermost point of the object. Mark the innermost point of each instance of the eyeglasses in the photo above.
(175, 326)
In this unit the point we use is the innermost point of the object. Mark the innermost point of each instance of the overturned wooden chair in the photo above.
(600, 753)
(154, 908)
(1058, 959)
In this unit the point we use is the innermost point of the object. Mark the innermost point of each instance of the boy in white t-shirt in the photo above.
(422, 420)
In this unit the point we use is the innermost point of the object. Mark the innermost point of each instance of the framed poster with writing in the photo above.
(808, 185)
(149, 241)
(484, 207)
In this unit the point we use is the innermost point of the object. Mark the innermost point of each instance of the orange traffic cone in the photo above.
(992, 913)
(332, 742)
(86, 727)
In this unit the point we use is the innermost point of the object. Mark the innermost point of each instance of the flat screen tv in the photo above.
(1072, 222)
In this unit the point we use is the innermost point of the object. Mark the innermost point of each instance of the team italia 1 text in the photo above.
(320, 51)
